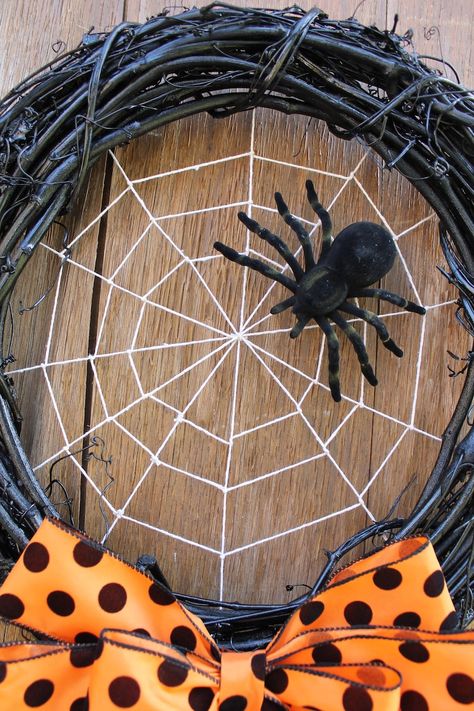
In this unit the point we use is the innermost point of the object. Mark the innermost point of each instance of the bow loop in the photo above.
(399, 585)
(124, 641)
(81, 588)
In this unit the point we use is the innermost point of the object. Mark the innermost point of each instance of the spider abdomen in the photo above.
(362, 253)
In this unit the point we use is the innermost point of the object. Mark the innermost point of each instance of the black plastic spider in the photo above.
(359, 255)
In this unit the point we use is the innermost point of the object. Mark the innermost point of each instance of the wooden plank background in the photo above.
(191, 508)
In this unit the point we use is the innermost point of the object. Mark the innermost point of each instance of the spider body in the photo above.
(360, 255)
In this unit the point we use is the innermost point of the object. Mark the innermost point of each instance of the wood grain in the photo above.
(276, 526)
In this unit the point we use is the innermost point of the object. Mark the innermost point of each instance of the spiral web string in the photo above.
(223, 343)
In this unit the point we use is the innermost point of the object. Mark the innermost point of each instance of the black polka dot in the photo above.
(11, 606)
(461, 688)
(200, 698)
(86, 555)
(407, 619)
(358, 613)
(311, 611)
(327, 653)
(413, 701)
(356, 699)
(142, 632)
(86, 655)
(160, 595)
(81, 704)
(414, 652)
(112, 597)
(86, 638)
(38, 693)
(387, 578)
(184, 637)
(124, 692)
(61, 603)
(35, 557)
(171, 674)
(258, 664)
(276, 681)
(3, 671)
(450, 622)
(233, 703)
(434, 584)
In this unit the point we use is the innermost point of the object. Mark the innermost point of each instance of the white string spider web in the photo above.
(197, 326)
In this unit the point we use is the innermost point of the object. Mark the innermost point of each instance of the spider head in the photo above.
(320, 291)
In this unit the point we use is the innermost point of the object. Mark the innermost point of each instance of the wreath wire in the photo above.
(220, 59)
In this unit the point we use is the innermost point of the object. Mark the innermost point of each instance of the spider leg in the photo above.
(391, 298)
(374, 321)
(323, 215)
(358, 345)
(333, 356)
(256, 265)
(300, 324)
(283, 305)
(298, 229)
(274, 241)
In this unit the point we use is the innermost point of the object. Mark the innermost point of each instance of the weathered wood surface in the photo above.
(279, 153)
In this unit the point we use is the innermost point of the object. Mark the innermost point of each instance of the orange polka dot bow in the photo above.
(118, 640)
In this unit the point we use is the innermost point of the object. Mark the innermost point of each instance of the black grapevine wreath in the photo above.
(220, 59)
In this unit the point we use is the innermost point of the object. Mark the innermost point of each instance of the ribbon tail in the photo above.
(122, 670)
(344, 687)
(435, 668)
(49, 676)
(141, 673)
